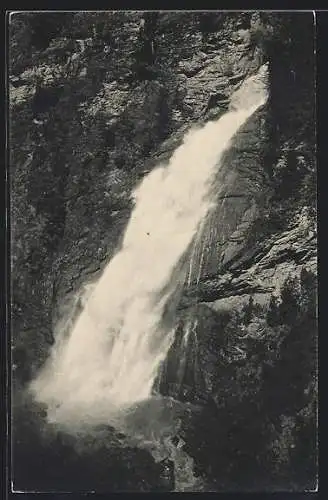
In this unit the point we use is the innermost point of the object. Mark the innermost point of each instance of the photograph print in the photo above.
(163, 251)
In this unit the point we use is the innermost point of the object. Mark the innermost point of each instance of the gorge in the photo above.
(162, 176)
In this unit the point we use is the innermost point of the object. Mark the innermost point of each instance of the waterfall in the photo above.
(113, 352)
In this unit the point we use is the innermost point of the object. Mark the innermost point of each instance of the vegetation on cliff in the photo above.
(261, 393)
(95, 101)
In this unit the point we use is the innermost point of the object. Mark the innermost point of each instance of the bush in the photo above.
(289, 308)
(248, 311)
(273, 317)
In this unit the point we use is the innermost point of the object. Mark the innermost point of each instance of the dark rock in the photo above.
(167, 474)
(99, 99)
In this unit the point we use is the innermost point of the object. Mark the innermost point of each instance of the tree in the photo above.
(289, 307)
(308, 297)
(210, 23)
(44, 27)
(248, 311)
(273, 316)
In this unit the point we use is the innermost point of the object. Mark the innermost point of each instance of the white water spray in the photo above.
(114, 350)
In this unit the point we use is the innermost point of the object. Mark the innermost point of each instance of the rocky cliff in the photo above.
(96, 101)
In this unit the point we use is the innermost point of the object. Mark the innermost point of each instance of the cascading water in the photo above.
(111, 357)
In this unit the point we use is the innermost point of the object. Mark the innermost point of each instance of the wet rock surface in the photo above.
(96, 101)
(89, 107)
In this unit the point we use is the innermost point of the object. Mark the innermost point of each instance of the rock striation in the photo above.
(96, 100)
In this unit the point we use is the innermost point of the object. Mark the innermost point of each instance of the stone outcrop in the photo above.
(90, 114)
(96, 100)
(265, 268)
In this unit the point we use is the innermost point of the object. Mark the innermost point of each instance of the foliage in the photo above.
(289, 307)
(273, 312)
(210, 22)
(290, 156)
(264, 398)
(248, 311)
(264, 359)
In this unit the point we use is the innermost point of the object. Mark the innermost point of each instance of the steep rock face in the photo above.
(96, 101)
(92, 98)
(253, 334)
